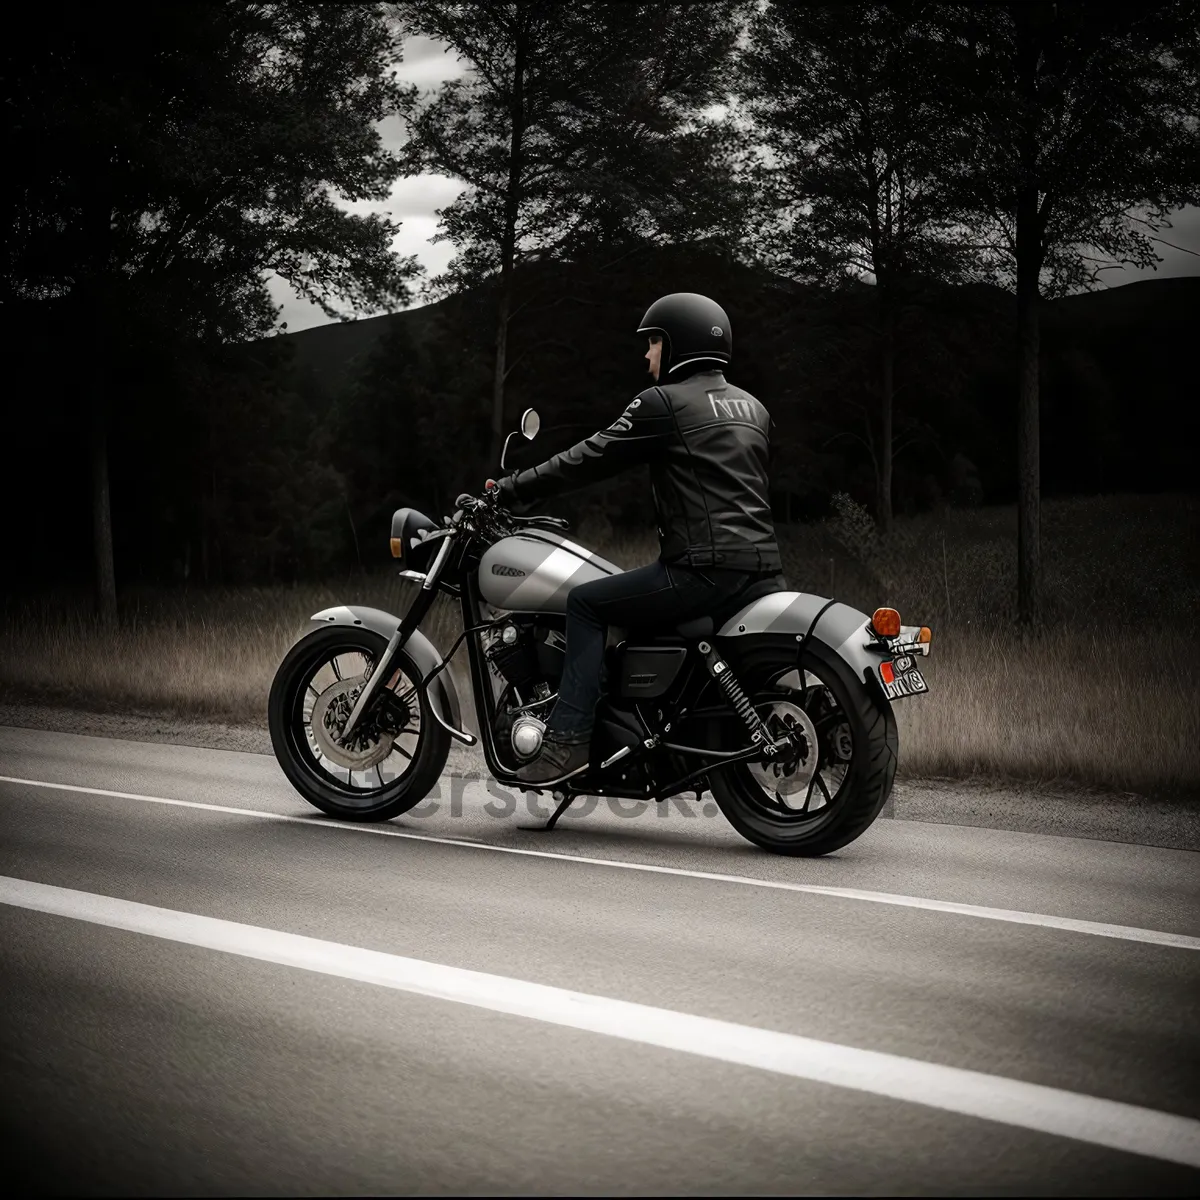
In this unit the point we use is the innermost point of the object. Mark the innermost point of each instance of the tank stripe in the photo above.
(551, 573)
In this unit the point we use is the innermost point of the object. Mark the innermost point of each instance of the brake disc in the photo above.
(329, 716)
(793, 775)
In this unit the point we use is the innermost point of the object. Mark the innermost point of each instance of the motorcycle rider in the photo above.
(707, 443)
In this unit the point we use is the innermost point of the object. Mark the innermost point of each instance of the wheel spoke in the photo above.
(379, 775)
(821, 782)
(314, 691)
(808, 795)
(401, 749)
(397, 769)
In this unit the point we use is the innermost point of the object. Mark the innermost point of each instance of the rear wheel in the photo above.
(396, 756)
(827, 793)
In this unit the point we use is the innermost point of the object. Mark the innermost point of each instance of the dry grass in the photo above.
(1120, 710)
(1108, 695)
(202, 653)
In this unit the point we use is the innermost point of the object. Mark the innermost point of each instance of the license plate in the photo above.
(911, 683)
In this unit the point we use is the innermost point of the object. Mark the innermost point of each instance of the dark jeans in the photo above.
(645, 598)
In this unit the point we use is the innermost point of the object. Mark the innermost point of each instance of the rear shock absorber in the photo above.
(740, 702)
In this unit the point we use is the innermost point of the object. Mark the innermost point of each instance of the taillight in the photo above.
(886, 622)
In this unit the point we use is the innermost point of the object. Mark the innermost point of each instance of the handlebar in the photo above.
(467, 503)
(550, 522)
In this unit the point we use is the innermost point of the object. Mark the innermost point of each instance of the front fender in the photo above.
(840, 627)
(423, 652)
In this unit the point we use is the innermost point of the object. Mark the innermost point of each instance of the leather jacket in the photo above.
(708, 446)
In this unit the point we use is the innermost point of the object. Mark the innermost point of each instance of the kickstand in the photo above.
(563, 805)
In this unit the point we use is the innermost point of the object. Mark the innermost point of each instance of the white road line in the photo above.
(1129, 933)
(1043, 1109)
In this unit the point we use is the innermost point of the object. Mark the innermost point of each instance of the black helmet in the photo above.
(695, 329)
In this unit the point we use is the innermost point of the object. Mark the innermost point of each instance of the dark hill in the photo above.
(335, 354)
(1117, 370)
(1158, 303)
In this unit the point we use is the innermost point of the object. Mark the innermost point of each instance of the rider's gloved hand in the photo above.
(503, 490)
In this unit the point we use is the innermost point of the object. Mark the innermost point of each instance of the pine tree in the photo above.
(1077, 136)
(575, 130)
(169, 158)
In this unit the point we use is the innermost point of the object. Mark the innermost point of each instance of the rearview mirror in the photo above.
(530, 424)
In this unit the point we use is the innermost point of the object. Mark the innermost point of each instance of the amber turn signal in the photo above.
(397, 547)
(924, 634)
(886, 622)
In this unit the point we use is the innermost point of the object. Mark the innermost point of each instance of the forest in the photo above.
(906, 209)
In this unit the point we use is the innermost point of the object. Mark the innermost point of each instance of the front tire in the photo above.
(313, 677)
(855, 721)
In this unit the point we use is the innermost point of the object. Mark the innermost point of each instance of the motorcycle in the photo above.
(780, 704)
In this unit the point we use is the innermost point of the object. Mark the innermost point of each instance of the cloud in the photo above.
(1176, 259)
(427, 62)
(413, 202)
(417, 196)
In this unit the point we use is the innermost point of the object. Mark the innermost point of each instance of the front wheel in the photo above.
(394, 758)
(826, 795)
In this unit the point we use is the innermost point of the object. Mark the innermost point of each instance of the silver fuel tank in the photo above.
(534, 571)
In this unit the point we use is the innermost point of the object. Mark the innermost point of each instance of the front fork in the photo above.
(411, 620)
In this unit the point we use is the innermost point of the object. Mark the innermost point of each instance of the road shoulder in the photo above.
(1047, 808)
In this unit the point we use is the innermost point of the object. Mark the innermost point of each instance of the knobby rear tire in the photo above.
(868, 782)
(286, 698)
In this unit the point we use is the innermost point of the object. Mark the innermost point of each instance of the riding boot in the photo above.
(560, 755)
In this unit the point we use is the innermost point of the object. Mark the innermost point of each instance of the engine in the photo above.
(528, 658)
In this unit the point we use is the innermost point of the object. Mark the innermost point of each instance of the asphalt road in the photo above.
(209, 988)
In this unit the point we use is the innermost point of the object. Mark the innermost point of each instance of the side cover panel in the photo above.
(441, 691)
(534, 571)
(842, 628)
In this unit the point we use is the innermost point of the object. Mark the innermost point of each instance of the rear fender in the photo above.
(801, 615)
(424, 654)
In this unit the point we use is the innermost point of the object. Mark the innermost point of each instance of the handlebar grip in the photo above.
(549, 522)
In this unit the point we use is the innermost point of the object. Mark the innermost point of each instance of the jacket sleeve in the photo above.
(638, 435)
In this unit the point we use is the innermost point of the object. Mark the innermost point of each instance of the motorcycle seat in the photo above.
(696, 628)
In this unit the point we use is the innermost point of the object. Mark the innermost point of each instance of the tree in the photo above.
(842, 101)
(575, 128)
(1079, 134)
(168, 159)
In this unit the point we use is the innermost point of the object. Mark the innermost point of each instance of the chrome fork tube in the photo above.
(384, 667)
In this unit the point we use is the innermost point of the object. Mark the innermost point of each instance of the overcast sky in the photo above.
(414, 201)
